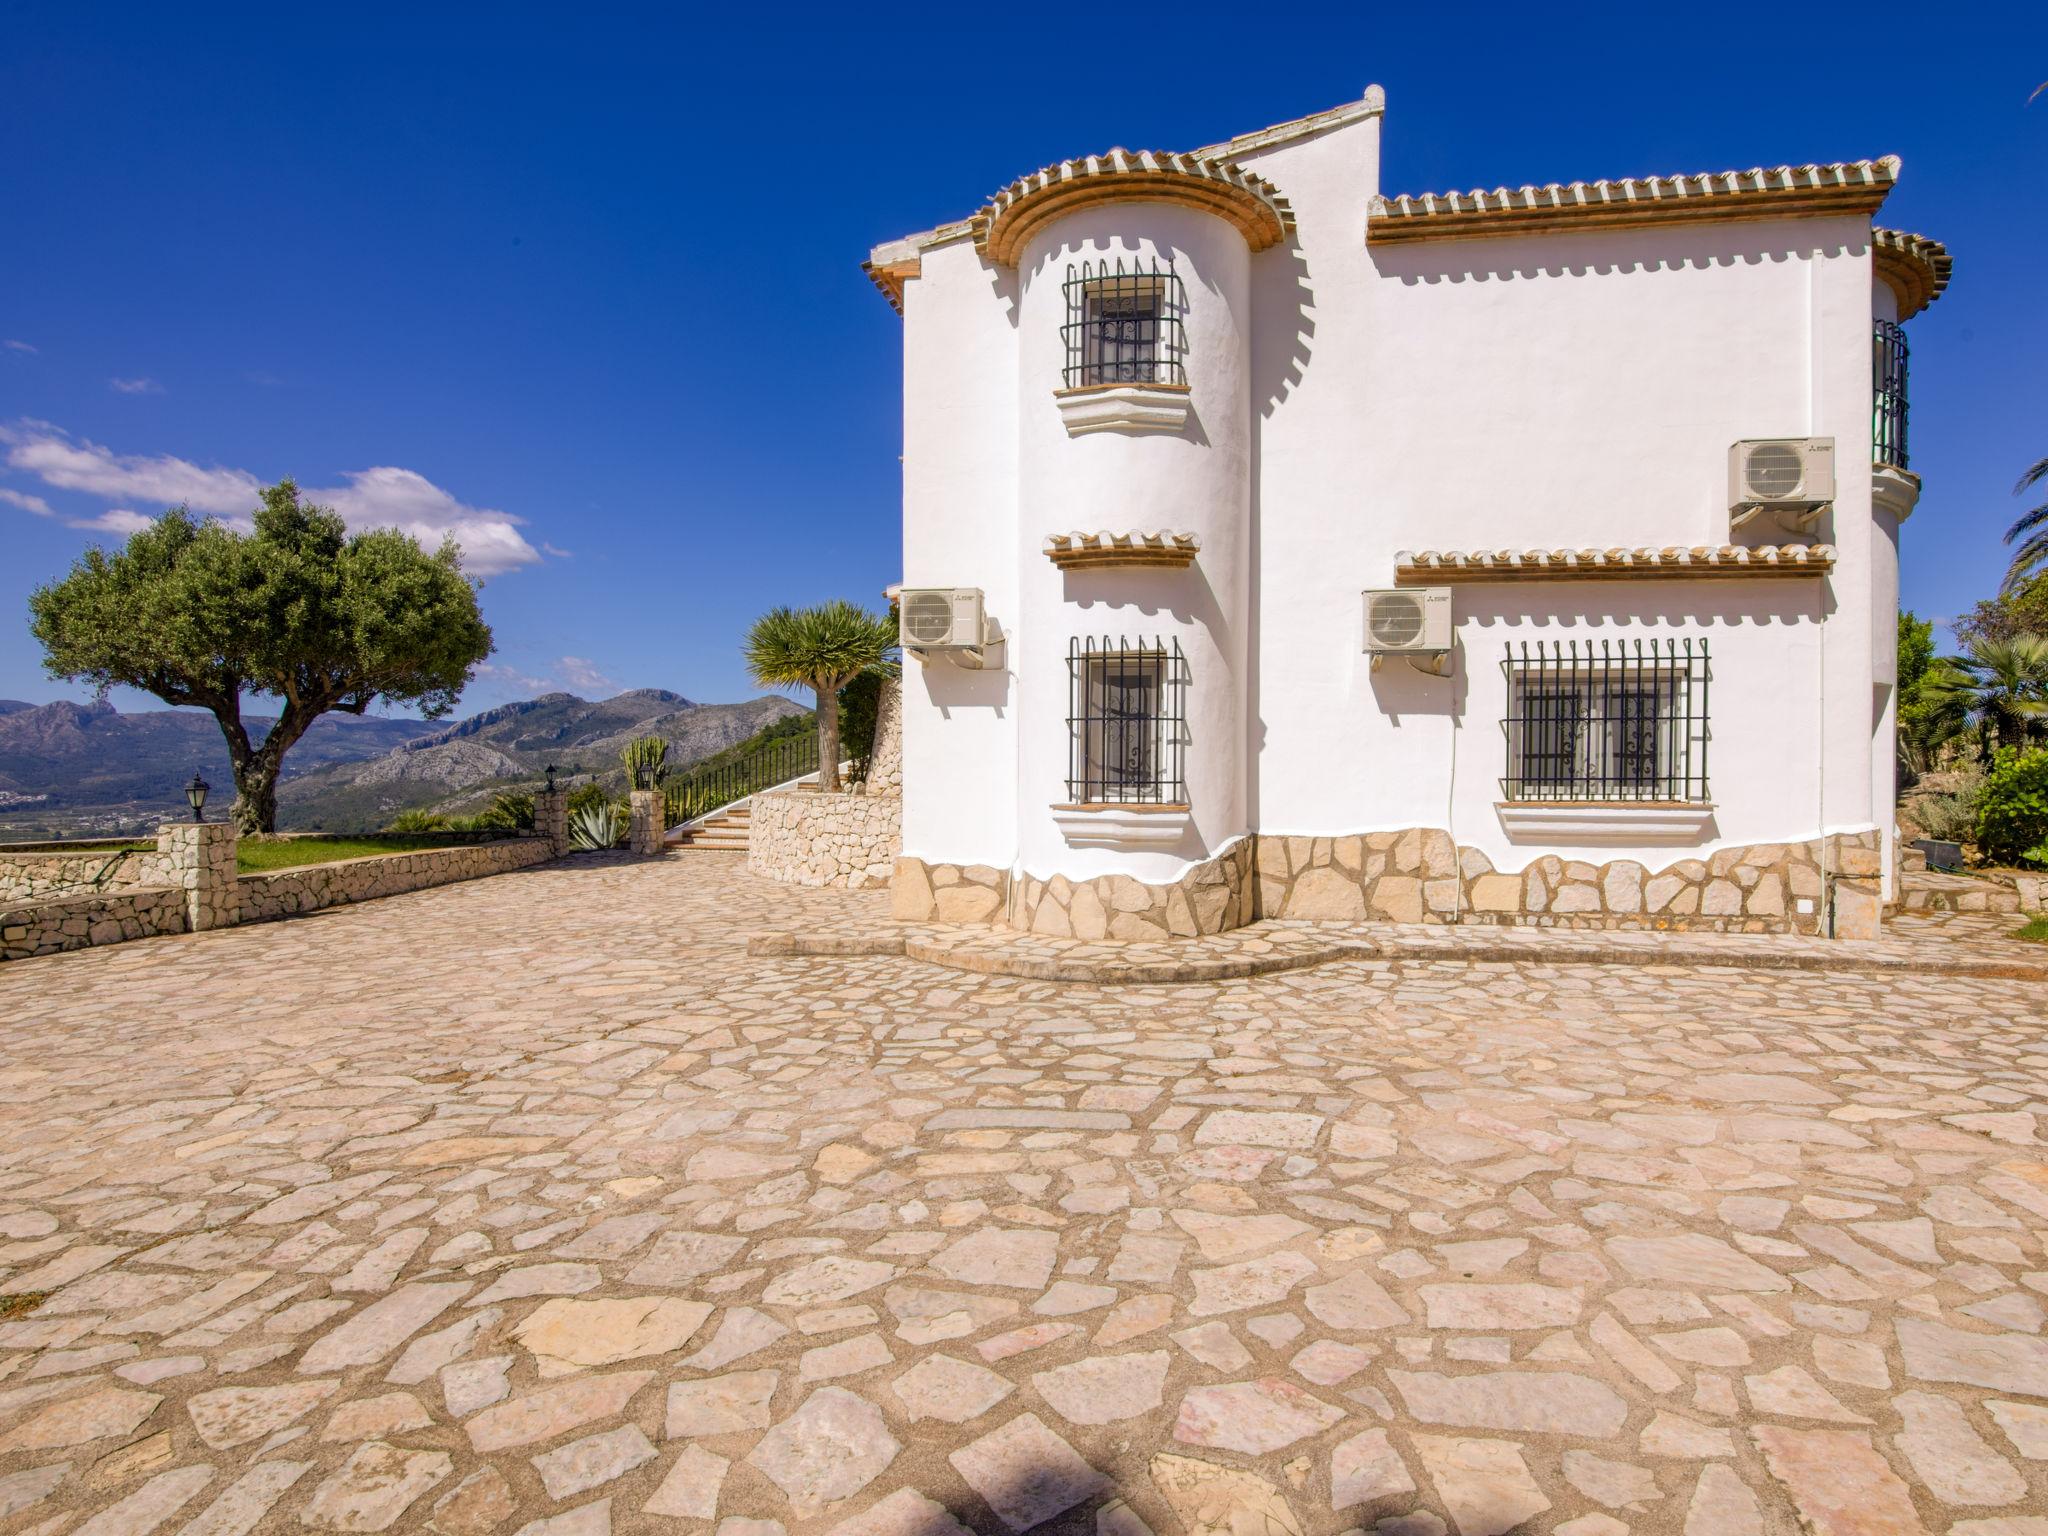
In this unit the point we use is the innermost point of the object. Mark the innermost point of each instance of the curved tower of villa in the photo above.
(1274, 547)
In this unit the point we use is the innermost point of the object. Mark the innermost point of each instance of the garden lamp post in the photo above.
(550, 788)
(195, 796)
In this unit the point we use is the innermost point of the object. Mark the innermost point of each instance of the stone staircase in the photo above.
(727, 832)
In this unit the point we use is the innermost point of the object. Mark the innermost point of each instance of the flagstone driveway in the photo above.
(536, 1205)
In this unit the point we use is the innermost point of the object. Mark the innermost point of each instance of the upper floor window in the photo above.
(1625, 721)
(1126, 722)
(1888, 393)
(1124, 326)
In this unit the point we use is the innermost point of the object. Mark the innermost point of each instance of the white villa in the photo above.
(1274, 547)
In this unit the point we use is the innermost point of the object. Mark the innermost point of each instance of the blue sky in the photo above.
(584, 284)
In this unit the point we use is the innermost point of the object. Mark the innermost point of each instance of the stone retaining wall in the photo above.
(310, 887)
(1412, 876)
(201, 890)
(26, 877)
(808, 837)
(45, 928)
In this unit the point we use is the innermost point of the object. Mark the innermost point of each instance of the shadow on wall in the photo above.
(1528, 257)
(953, 687)
(1400, 689)
(1578, 608)
(1184, 595)
(1283, 326)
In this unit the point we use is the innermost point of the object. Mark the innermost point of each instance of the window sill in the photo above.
(1113, 824)
(1123, 408)
(1606, 821)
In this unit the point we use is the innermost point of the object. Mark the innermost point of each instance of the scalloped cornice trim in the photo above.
(1912, 266)
(1433, 568)
(1078, 551)
(1009, 219)
(1853, 187)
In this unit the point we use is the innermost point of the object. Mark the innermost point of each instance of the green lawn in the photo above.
(253, 858)
(2036, 930)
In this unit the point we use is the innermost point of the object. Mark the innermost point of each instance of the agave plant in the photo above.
(646, 759)
(596, 827)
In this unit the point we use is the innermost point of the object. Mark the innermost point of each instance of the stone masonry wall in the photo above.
(45, 928)
(808, 837)
(1412, 876)
(308, 888)
(26, 877)
(885, 757)
(1212, 897)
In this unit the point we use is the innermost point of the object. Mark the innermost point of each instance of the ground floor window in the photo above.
(1126, 722)
(1620, 720)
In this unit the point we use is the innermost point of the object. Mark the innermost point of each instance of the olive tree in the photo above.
(299, 610)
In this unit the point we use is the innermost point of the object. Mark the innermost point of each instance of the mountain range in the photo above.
(70, 769)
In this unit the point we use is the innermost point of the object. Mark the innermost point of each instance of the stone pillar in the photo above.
(201, 855)
(551, 818)
(650, 825)
(1858, 891)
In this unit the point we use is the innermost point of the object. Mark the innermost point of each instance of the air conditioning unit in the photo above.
(1795, 472)
(940, 618)
(1413, 622)
(947, 623)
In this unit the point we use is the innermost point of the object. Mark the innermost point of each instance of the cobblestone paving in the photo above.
(535, 1205)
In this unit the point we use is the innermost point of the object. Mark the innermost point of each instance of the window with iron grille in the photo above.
(1623, 721)
(1888, 392)
(1126, 722)
(1124, 326)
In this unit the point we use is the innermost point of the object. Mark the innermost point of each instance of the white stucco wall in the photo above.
(1198, 481)
(959, 530)
(1537, 392)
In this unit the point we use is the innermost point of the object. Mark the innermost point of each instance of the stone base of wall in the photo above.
(49, 927)
(809, 837)
(309, 887)
(1412, 876)
(1418, 876)
(1212, 897)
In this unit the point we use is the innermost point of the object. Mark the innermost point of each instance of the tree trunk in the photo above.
(828, 739)
(257, 773)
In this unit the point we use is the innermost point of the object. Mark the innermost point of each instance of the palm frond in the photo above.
(2028, 561)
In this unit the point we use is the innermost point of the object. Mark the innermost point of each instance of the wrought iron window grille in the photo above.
(1618, 722)
(1888, 394)
(1124, 326)
(1126, 722)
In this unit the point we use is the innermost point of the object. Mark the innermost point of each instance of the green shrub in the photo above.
(859, 706)
(418, 821)
(2012, 814)
(1951, 818)
(583, 796)
(507, 812)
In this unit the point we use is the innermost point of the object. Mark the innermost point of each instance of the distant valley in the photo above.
(76, 770)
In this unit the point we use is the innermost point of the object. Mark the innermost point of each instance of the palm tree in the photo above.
(2030, 532)
(1999, 686)
(822, 649)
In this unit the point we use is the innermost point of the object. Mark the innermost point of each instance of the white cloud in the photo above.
(77, 464)
(26, 502)
(135, 386)
(512, 680)
(584, 676)
(17, 346)
(116, 520)
(383, 497)
(398, 498)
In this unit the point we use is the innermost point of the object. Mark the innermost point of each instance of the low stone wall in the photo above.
(808, 837)
(1418, 876)
(310, 887)
(48, 876)
(46, 927)
(1412, 876)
